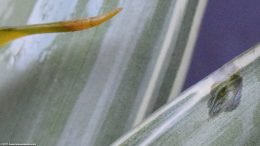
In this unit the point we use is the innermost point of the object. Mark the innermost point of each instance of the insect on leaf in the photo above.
(225, 96)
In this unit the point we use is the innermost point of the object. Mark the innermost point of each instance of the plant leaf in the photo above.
(10, 33)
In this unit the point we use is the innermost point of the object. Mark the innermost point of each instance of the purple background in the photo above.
(229, 27)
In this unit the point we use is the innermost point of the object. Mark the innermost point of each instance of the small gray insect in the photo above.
(225, 96)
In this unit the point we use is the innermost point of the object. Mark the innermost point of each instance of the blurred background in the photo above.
(227, 29)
